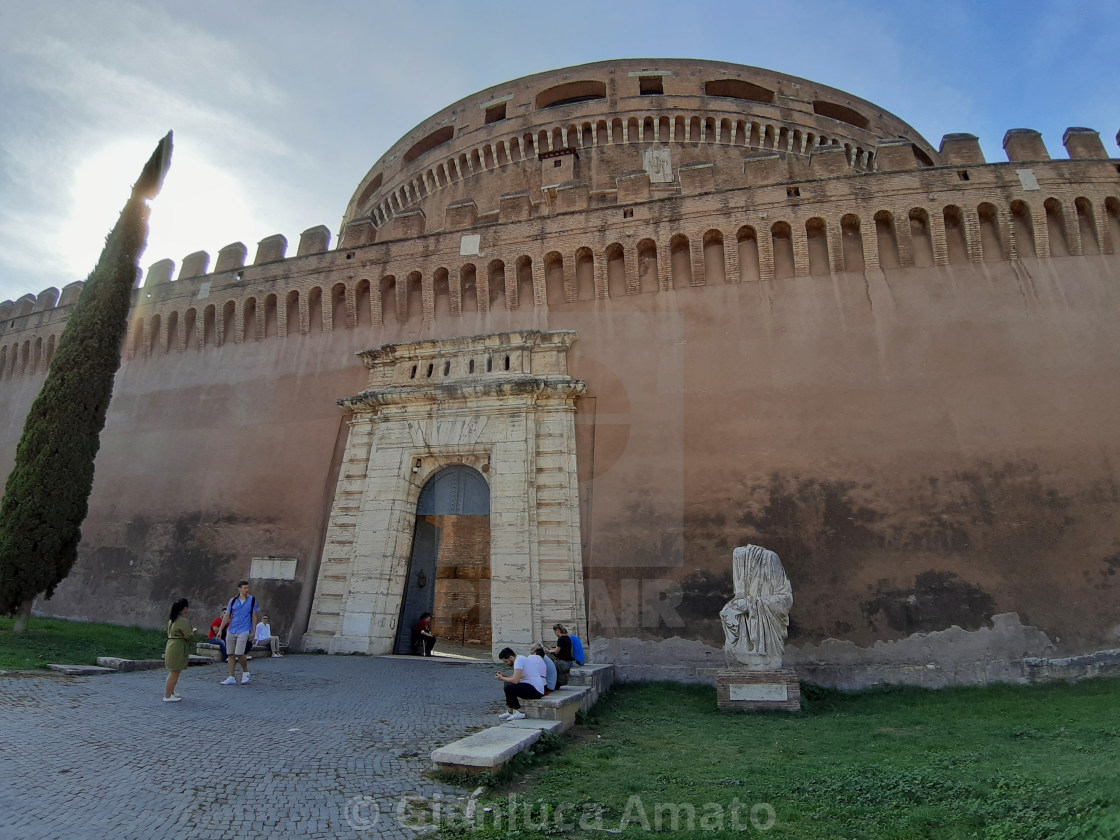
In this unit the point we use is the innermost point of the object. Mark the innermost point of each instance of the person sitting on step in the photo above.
(263, 636)
(549, 668)
(527, 682)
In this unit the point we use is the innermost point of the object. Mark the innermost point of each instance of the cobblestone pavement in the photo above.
(316, 746)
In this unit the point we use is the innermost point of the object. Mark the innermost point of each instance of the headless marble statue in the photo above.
(756, 620)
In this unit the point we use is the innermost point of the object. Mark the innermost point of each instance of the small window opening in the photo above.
(793, 192)
(430, 369)
(507, 362)
(489, 364)
(650, 85)
(496, 113)
(470, 368)
(240, 274)
(962, 174)
(349, 255)
(556, 164)
(413, 374)
(628, 213)
(446, 368)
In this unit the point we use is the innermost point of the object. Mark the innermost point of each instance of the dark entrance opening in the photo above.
(449, 568)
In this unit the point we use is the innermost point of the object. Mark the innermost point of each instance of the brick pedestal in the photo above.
(742, 690)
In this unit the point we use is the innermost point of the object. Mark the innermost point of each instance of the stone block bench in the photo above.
(599, 678)
(491, 748)
(214, 652)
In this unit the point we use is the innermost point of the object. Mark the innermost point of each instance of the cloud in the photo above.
(89, 122)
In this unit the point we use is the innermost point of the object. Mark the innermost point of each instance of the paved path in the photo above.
(316, 746)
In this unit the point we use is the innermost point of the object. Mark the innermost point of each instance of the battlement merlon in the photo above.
(759, 168)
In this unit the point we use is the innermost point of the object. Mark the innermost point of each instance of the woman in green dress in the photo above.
(177, 653)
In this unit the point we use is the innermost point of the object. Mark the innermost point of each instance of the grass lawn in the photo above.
(74, 643)
(1000, 763)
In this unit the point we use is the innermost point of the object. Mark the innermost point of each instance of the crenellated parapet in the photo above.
(811, 217)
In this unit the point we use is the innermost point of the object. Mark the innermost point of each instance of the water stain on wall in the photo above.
(936, 600)
(882, 557)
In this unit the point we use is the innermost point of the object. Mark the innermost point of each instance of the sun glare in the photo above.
(201, 207)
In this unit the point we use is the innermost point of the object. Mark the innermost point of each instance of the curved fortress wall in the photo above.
(896, 369)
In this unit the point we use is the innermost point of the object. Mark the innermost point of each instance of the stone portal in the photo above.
(502, 405)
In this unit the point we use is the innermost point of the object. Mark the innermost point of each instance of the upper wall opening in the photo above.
(370, 189)
(436, 138)
(738, 89)
(841, 113)
(571, 92)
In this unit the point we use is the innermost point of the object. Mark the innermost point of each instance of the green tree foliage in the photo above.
(47, 495)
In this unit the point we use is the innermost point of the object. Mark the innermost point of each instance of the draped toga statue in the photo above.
(756, 620)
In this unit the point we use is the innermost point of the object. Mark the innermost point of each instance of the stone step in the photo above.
(534, 723)
(486, 750)
(118, 664)
(598, 677)
(561, 705)
(81, 670)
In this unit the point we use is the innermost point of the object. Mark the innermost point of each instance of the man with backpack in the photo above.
(568, 648)
(238, 621)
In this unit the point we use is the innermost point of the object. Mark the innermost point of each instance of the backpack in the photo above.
(252, 628)
(577, 649)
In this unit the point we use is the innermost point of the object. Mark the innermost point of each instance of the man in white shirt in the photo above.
(527, 681)
(263, 636)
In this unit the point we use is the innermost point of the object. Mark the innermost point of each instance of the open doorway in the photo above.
(449, 567)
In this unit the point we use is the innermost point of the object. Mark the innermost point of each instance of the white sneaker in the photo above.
(174, 698)
(504, 715)
(244, 679)
(277, 655)
(517, 716)
(229, 681)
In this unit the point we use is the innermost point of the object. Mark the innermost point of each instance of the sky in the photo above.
(279, 108)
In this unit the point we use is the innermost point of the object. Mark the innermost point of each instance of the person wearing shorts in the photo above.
(239, 619)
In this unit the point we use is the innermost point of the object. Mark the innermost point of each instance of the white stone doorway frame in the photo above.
(503, 404)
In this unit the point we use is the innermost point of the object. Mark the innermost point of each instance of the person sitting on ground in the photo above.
(527, 682)
(423, 640)
(214, 638)
(563, 649)
(263, 636)
(549, 668)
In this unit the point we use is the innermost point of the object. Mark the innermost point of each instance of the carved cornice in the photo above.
(515, 389)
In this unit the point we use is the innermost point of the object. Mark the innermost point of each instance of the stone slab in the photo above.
(81, 670)
(119, 664)
(743, 690)
(561, 705)
(486, 750)
(199, 660)
(534, 723)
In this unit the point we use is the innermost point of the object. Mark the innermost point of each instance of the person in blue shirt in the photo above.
(238, 621)
(549, 667)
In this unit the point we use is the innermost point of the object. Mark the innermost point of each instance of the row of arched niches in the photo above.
(748, 253)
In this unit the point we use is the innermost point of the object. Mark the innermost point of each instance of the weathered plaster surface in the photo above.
(931, 660)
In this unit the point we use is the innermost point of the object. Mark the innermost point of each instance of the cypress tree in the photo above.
(47, 495)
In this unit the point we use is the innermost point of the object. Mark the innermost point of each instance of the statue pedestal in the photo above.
(743, 690)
